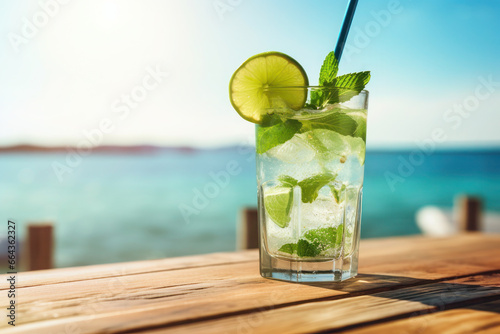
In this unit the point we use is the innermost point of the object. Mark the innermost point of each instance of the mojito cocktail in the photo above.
(309, 191)
(310, 146)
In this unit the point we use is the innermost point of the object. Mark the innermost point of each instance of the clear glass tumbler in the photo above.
(310, 165)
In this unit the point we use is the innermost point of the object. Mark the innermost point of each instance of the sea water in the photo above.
(124, 207)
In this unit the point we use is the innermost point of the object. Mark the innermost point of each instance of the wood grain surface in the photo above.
(478, 318)
(412, 279)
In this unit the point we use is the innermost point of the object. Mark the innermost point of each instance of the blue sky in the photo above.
(427, 59)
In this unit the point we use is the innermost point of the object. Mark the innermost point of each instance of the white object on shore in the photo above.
(435, 221)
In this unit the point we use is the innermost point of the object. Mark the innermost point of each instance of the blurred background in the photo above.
(114, 115)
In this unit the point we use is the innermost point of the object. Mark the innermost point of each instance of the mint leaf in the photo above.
(354, 81)
(340, 234)
(287, 180)
(312, 185)
(324, 237)
(318, 99)
(301, 248)
(337, 193)
(315, 241)
(270, 120)
(361, 131)
(347, 86)
(271, 136)
(311, 115)
(329, 69)
(305, 248)
(337, 121)
(288, 248)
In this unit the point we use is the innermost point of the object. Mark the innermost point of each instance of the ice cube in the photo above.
(293, 151)
(323, 212)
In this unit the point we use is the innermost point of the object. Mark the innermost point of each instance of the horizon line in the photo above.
(465, 147)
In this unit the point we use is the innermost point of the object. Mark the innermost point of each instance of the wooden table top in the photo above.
(405, 285)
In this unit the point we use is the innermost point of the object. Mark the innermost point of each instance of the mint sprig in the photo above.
(337, 88)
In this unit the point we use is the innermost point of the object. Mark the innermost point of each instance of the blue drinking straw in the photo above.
(351, 7)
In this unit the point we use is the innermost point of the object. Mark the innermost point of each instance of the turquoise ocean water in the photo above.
(123, 207)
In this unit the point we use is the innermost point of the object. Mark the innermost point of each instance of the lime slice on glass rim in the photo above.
(251, 87)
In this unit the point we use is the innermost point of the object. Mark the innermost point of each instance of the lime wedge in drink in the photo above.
(278, 204)
(251, 86)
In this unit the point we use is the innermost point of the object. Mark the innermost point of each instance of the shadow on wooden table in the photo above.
(441, 294)
(464, 301)
(363, 282)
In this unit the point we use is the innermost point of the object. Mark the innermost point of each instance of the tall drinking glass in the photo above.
(310, 165)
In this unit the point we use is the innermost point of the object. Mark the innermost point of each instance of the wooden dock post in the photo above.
(468, 210)
(40, 246)
(248, 232)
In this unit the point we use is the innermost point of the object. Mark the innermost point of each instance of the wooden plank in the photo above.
(55, 276)
(40, 246)
(449, 256)
(481, 318)
(355, 311)
(172, 296)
